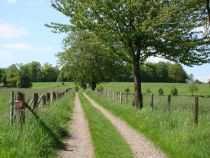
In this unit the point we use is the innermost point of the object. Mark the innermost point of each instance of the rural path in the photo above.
(79, 144)
(139, 145)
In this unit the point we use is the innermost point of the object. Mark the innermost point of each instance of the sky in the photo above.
(24, 38)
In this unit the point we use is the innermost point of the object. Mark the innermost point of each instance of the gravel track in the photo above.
(79, 144)
(140, 146)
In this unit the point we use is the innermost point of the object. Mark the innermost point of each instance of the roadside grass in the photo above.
(107, 141)
(183, 88)
(42, 133)
(174, 133)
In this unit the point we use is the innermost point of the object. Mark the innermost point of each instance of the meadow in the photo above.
(42, 133)
(174, 132)
(183, 88)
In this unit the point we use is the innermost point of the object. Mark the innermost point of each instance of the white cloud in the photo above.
(4, 54)
(8, 31)
(26, 48)
(12, 1)
(17, 46)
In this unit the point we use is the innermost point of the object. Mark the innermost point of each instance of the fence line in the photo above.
(165, 103)
(18, 103)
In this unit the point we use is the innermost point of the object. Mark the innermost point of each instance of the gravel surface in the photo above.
(79, 144)
(140, 146)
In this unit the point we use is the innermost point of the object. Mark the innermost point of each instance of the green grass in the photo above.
(41, 134)
(108, 143)
(203, 89)
(174, 133)
(51, 84)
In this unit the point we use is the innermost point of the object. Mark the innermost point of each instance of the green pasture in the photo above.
(183, 88)
(42, 132)
(175, 132)
(51, 84)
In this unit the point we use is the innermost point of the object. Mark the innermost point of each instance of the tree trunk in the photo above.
(137, 100)
(93, 85)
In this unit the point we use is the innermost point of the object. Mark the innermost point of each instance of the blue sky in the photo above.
(24, 38)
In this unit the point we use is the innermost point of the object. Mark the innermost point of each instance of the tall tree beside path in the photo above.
(145, 28)
(88, 59)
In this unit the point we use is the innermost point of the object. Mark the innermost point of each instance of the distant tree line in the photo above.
(19, 75)
(156, 72)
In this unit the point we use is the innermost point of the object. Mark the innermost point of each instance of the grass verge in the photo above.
(107, 141)
(41, 134)
(173, 133)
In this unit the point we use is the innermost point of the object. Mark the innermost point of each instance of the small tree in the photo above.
(24, 78)
(193, 88)
(160, 91)
(174, 92)
(148, 91)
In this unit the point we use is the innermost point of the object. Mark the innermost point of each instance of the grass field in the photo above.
(173, 132)
(183, 88)
(107, 141)
(42, 132)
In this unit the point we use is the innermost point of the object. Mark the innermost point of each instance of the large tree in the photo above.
(145, 28)
(89, 60)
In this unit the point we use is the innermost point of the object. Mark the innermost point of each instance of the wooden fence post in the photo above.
(121, 97)
(152, 102)
(169, 103)
(12, 107)
(196, 111)
(54, 96)
(36, 98)
(113, 95)
(20, 108)
(44, 100)
(48, 97)
(126, 95)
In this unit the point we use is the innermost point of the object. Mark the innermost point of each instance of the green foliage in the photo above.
(148, 91)
(183, 88)
(34, 69)
(41, 134)
(65, 74)
(197, 82)
(107, 141)
(100, 88)
(48, 73)
(174, 134)
(127, 90)
(88, 59)
(160, 91)
(193, 88)
(142, 29)
(174, 92)
(76, 88)
(24, 78)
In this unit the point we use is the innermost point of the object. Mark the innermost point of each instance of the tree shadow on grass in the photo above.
(57, 143)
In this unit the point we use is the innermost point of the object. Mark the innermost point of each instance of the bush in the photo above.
(174, 92)
(127, 90)
(76, 88)
(148, 91)
(24, 78)
(100, 88)
(193, 88)
(160, 91)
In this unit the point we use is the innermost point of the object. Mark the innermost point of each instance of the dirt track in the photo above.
(78, 145)
(140, 146)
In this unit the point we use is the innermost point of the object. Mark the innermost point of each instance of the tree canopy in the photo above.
(145, 28)
(88, 59)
